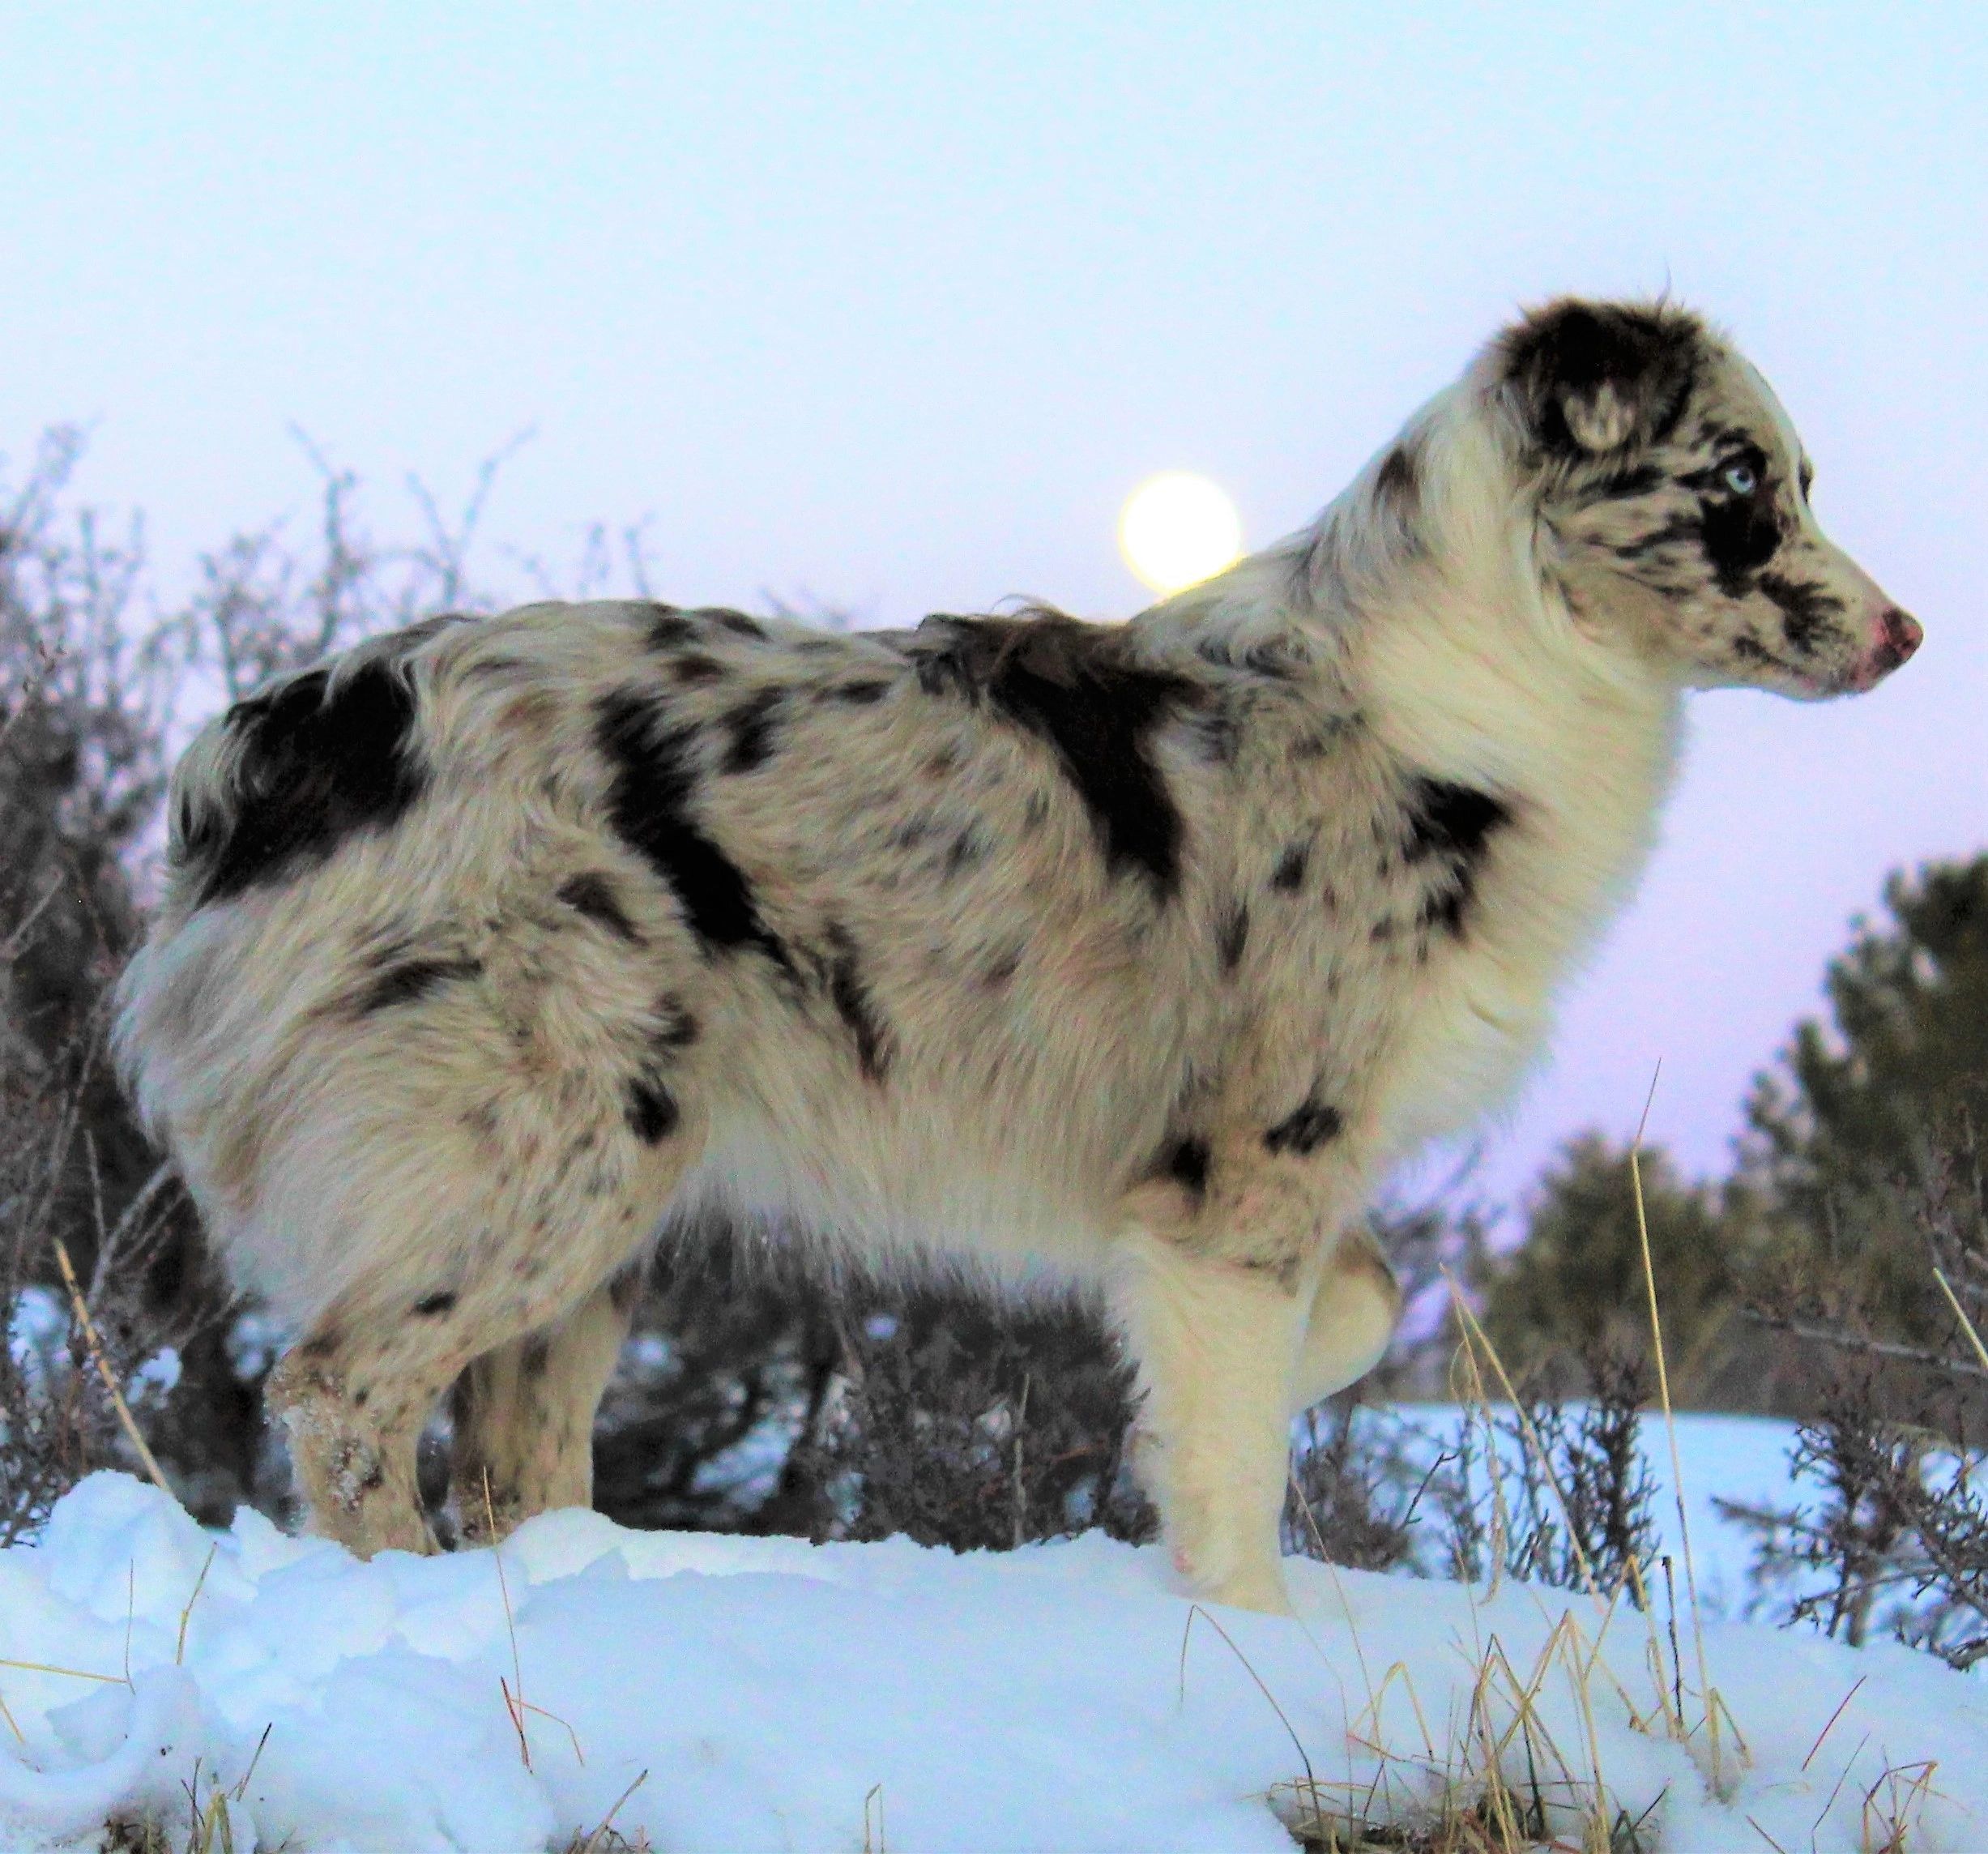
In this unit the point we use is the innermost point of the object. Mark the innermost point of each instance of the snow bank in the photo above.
(771, 1695)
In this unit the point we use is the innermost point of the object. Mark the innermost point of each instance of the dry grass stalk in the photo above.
(605, 1839)
(95, 1342)
(1712, 1705)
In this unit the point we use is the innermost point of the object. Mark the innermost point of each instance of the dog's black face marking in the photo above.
(1076, 687)
(653, 782)
(651, 1110)
(1312, 1125)
(411, 980)
(1807, 609)
(1741, 534)
(1187, 1163)
(875, 1045)
(594, 896)
(435, 1306)
(1450, 827)
(1233, 936)
(751, 726)
(318, 764)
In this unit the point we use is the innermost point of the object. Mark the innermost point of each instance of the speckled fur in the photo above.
(1131, 953)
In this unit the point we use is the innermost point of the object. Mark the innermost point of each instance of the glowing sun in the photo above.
(1177, 528)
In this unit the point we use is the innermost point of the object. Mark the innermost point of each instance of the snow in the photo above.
(766, 1694)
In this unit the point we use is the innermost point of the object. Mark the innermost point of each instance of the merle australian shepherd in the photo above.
(496, 950)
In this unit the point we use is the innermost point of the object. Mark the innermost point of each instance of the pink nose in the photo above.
(1899, 635)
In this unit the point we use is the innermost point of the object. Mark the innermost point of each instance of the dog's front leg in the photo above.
(1216, 1341)
(1212, 1283)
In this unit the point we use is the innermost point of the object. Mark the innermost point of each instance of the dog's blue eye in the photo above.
(1740, 479)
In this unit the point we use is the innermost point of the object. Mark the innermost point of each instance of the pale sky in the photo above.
(887, 308)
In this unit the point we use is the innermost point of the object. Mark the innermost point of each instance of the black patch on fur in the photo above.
(1748, 650)
(858, 694)
(1451, 825)
(1187, 1163)
(751, 726)
(1306, 1130)
(1806, 609)
(594, 895)
(625, 1289)
(740, 625)
(853, 1004)
(651, 1109)
(1233, 936)
(654, 782)
(1002, 969)
(1277, 658)
(1624, 484)
(697, 669)
(318, 763)
(1218, 735)
(1397, 490)
(1681, 527)
(1288, 877)
(535, 1354)
(676, 1028)
(1648, 357)
(1078, 688)
(411, 980)
(670, 628)
(965, 852)
(435, 1306)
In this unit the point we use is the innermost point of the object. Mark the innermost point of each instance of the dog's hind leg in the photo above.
(467, 1206)
(524, 1416)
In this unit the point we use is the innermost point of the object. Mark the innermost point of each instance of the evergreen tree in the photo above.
(1573, 1292)
(1857, 1123)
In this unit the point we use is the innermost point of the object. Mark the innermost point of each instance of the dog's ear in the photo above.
(1588, 377)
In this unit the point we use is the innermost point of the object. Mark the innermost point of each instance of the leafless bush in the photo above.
(961, 1422)
(1558, 1493)
(1356, 1489)
(82, 1356)
(1897, 1537)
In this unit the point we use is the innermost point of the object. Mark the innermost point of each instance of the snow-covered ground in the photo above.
(767, 1694)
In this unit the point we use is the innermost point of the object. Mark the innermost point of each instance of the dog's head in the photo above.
(1674, 505)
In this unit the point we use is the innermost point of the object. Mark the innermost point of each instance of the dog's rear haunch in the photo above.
(1132, 953)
